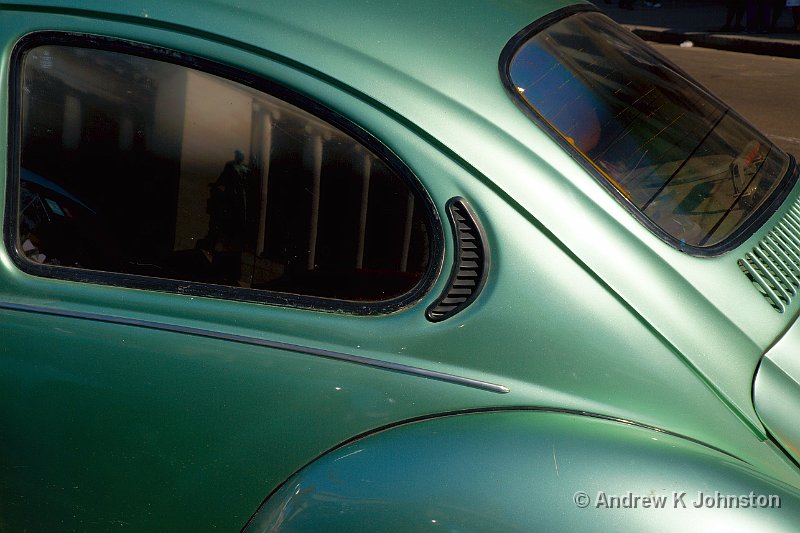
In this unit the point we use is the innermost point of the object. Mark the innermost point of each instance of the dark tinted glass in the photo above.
(138, 166)
(687, 162)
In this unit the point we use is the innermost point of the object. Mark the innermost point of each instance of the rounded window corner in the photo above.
(690, 169)
(119, 176)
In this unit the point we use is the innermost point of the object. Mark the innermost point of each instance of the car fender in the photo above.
(522, 469)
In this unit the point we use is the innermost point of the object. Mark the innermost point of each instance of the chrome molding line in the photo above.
(253, 341)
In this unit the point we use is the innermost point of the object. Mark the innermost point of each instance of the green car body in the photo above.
(597, 359)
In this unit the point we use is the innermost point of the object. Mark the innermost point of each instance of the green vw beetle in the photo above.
(359, 265)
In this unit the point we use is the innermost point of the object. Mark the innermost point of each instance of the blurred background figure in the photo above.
(795, 7)
(777, 9)
(758, 15)
(734, 13)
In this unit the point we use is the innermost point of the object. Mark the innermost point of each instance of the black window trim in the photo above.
(193, 288)
(734, 240)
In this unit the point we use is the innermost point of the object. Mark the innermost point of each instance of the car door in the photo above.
(210, 276)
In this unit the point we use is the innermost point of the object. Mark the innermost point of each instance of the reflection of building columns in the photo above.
(366, 174)
(316, 137)
(265, 156)
(71, 133)
(407, 232)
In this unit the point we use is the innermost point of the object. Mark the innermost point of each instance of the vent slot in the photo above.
(470, 266)
(773, 266)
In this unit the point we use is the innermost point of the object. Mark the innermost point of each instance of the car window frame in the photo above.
(732, 241)
(436, 247)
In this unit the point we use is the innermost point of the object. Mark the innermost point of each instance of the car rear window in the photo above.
(690, 167)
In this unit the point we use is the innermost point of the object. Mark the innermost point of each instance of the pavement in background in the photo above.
(699, 21)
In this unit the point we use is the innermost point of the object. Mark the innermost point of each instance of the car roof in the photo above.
(395, 52)
(408, 35)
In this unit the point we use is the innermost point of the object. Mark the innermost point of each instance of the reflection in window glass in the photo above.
(687, 162)
(137, 166)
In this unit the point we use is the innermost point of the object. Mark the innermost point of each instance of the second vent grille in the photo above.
(773, 265)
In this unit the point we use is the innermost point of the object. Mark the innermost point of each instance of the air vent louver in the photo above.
(471, 263)
(774, 264)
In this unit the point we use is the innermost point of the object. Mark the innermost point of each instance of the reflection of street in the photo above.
(762, 88)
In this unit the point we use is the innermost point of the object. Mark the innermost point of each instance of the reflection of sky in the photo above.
(659, 139)
(32, 177)
(590, 106)
(579, 111)
(554, 91)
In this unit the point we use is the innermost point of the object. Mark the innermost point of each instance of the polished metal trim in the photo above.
(264, 343)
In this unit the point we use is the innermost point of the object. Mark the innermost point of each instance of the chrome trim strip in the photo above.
(253, 341)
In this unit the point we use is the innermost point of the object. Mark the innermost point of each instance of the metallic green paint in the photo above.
(776, 391)
(108, 425)
(520, 471)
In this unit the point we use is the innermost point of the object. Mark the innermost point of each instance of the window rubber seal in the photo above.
(734, 240)
(194, 288)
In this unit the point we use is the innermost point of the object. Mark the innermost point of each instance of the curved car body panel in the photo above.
(161, 410)
(554, 470)
(776, 391)
(535, 175)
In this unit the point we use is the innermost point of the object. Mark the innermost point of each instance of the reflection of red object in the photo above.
(750, 153)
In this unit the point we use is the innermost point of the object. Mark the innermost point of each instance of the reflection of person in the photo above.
(227, 217)
(229, 209)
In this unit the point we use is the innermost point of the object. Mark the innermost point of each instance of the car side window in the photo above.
(144, 167)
